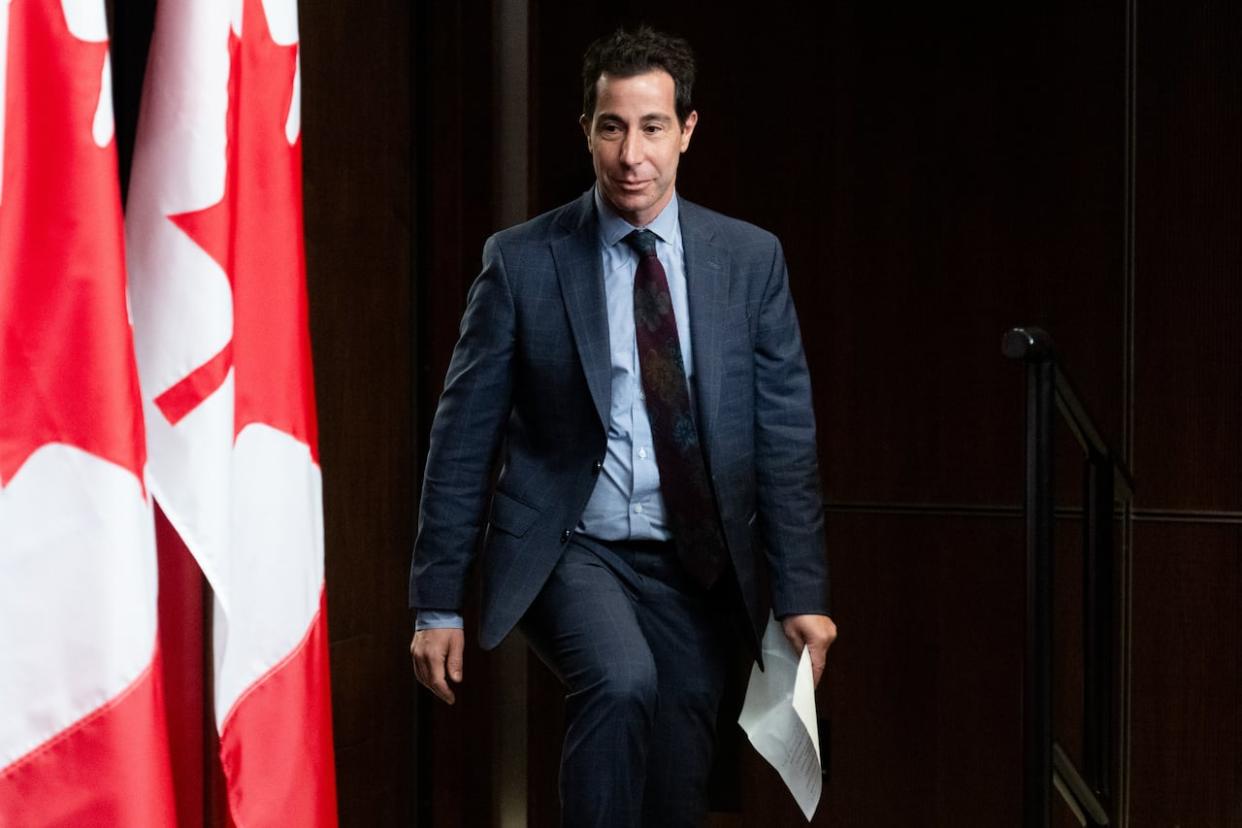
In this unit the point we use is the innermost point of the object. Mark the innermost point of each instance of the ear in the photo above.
(585, 123)
(687, 129)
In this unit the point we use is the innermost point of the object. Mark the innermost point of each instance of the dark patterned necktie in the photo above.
(679, 454)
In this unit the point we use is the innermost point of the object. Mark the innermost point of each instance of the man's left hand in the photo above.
(816, 632)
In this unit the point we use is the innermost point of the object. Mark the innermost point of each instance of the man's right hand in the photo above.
(437, 659)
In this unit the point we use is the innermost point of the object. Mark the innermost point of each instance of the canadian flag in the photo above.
(214, 234)
(82, 736)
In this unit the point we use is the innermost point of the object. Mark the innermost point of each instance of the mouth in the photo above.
(631, 186)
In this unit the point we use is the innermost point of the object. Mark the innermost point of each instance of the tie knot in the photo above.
(643, 242)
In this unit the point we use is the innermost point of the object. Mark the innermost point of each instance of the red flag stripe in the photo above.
(198, 385)
(107, 769)
(277, 752)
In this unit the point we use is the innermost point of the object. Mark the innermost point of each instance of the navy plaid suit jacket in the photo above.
(530, 376)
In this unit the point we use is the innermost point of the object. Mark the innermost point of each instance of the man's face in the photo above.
(636, 141)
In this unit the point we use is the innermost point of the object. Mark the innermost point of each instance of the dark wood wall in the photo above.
(1186, 585)
(358, 148)
(937, 174)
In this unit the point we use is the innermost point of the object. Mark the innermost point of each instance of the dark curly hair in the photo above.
(626, 53)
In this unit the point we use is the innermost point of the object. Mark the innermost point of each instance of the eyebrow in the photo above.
(654, 117)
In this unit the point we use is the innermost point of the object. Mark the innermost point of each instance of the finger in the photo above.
(819, 660)
(794, 636)
(415, 651)
(421, 654)
(429, 666)
(456, 646)
(436, 682)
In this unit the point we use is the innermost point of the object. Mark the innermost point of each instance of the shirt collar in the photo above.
(613, 228)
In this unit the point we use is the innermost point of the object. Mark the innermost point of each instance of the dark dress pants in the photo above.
(642, 652)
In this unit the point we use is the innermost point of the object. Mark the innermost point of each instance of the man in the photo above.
(639, 360)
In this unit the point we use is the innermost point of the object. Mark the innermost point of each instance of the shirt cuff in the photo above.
(429, 619)
(785, 615)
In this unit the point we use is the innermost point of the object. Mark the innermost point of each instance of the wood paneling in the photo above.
(1188, 428)
(358, 197)
(973, 186)
(1187, 709)
(454, 180)
(1186, 682)
(458, 196)
(923, 688)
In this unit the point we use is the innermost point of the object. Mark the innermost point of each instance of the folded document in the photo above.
(779, 717)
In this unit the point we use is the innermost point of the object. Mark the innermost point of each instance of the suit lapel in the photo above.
(707, 287)
(581, 276)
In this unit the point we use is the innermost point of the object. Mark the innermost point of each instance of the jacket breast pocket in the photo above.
(511, 516)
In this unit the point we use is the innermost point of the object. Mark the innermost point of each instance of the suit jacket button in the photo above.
(598, 465)
(565, 536)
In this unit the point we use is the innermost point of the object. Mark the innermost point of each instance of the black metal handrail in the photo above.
(1046, 767)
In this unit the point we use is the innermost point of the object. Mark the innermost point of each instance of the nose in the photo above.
(631, 151)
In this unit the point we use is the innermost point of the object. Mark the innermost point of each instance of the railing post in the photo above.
(1035, 347)
(1097, 622)
(1037, 683)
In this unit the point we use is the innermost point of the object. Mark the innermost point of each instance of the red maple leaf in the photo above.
(67, 370)
(255, 234)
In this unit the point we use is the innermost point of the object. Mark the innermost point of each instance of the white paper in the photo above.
(779, 717)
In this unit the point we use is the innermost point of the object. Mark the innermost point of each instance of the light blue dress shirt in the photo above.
(626, 503)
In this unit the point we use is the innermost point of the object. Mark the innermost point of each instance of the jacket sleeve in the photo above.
(465, 435)
(790, 502)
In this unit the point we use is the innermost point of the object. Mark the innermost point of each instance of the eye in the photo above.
(609, 129)
(654, 129)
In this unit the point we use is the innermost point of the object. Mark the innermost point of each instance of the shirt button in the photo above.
(642, 453)
(565, 536)
(638, 508)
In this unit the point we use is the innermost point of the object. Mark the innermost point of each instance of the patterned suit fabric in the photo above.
(529, 384)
